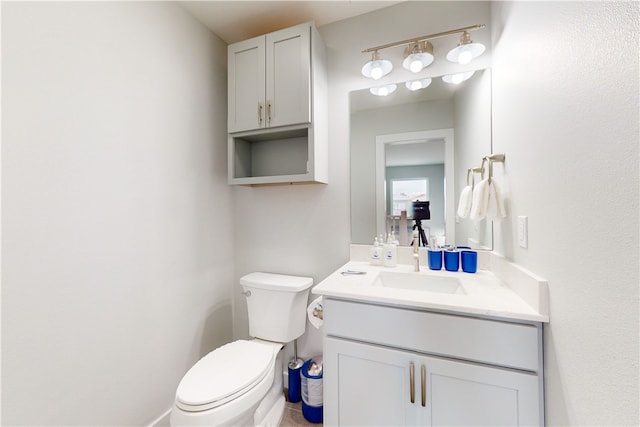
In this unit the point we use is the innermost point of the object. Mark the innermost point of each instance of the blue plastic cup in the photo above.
(469, 261)
(434, 259)
(451, 260)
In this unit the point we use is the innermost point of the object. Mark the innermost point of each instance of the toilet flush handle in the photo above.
(246, 293)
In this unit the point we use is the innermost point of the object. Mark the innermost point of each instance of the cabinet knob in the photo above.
(412, 385)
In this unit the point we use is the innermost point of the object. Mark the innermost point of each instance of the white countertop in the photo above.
(485, 293)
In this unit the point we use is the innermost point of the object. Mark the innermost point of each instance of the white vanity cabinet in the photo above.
(277, 108)
(386, 365)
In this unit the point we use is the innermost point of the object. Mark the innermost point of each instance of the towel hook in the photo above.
(470, 172)
(473, 180)
(496, 158)
(485, 159)
(479, 170)
(490, 159)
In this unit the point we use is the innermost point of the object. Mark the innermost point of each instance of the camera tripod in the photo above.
(423, 237)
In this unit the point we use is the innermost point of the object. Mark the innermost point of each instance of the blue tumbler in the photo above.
(469, 261)
(451, 260)
(434, 259)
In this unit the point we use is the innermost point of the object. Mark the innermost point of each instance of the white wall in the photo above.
(305, 229)
(117, 258)
(566, 115)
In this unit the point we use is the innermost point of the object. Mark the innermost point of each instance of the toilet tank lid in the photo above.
(276, 282)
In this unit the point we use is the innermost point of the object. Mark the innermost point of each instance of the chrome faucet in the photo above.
(415, 242)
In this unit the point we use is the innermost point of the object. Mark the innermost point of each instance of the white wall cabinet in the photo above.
(270, 80)
(396, 366)
(277, 108)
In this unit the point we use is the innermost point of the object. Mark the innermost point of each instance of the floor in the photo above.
(293, 416)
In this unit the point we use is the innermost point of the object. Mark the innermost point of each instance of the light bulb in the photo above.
(465, 57)
(466, 51)
(376, 72)
(383, 90)
(457, 78)
(416, 65)
(415, 85)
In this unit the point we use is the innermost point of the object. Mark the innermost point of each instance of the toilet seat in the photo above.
(224, 374)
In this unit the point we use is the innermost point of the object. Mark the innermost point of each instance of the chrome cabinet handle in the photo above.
(259, 113)
(412, 385)
(423, 380)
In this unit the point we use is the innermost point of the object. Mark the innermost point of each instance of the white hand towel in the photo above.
(464, 205)
(495, 205)
(479, 202)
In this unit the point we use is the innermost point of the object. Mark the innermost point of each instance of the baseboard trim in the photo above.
(162, 420)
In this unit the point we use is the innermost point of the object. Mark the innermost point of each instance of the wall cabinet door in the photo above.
(246, 85)
(269, 81)
(373, 385)
(288, 87)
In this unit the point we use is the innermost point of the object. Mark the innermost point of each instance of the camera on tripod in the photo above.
(420, 212)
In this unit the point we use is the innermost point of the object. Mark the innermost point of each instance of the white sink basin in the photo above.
(419, 282)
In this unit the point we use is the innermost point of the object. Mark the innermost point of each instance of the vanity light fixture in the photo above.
(383, 90)
(417, 84)
(377, 68)
(419, 52)
(466, 51)
(418, 56)
(457, 78)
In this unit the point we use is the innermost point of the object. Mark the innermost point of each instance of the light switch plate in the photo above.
(523, 231)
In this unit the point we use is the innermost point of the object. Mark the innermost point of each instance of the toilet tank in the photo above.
(276, 304)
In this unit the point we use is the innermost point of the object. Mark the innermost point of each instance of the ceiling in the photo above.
(413, 153)
(239, 20)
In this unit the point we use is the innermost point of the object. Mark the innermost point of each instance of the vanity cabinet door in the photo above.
(368, 385)
(371, 385)
(461, 393)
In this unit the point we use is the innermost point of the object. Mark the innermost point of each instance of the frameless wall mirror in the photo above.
(410, 141)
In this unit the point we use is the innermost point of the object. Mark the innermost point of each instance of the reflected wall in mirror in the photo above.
(436, 134)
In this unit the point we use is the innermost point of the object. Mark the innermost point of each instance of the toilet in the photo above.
(240, 383)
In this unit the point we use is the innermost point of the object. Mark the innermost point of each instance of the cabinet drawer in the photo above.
(481, 340)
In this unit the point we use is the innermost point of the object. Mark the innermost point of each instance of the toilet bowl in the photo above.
(240, 383)
(226, 387)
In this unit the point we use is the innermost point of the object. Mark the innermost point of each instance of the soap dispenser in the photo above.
(390, 251)
(375, 253)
